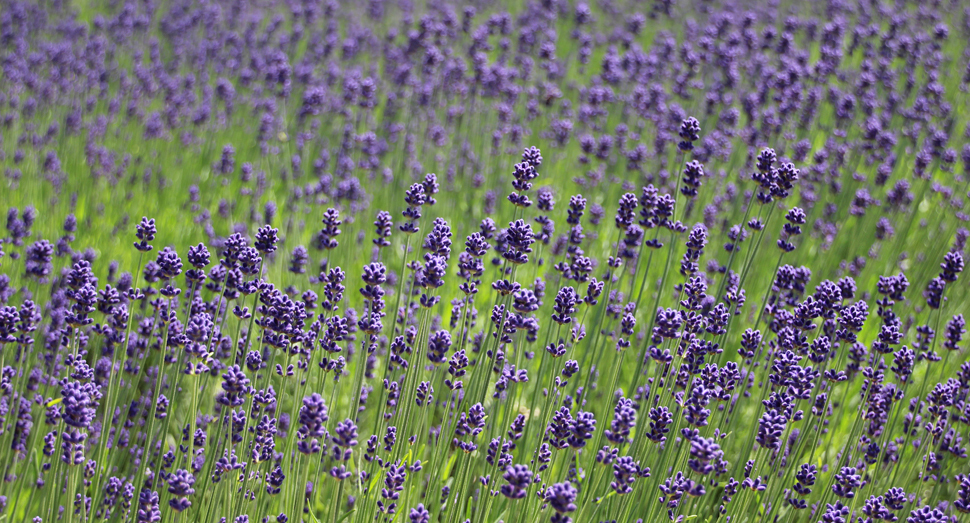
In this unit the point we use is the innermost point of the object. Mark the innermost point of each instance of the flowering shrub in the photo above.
(309, 325)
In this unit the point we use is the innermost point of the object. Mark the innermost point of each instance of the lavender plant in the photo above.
(324, 262)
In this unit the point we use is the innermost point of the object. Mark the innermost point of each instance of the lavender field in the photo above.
(605, 261)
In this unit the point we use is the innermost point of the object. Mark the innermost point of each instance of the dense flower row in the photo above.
(770, 328)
